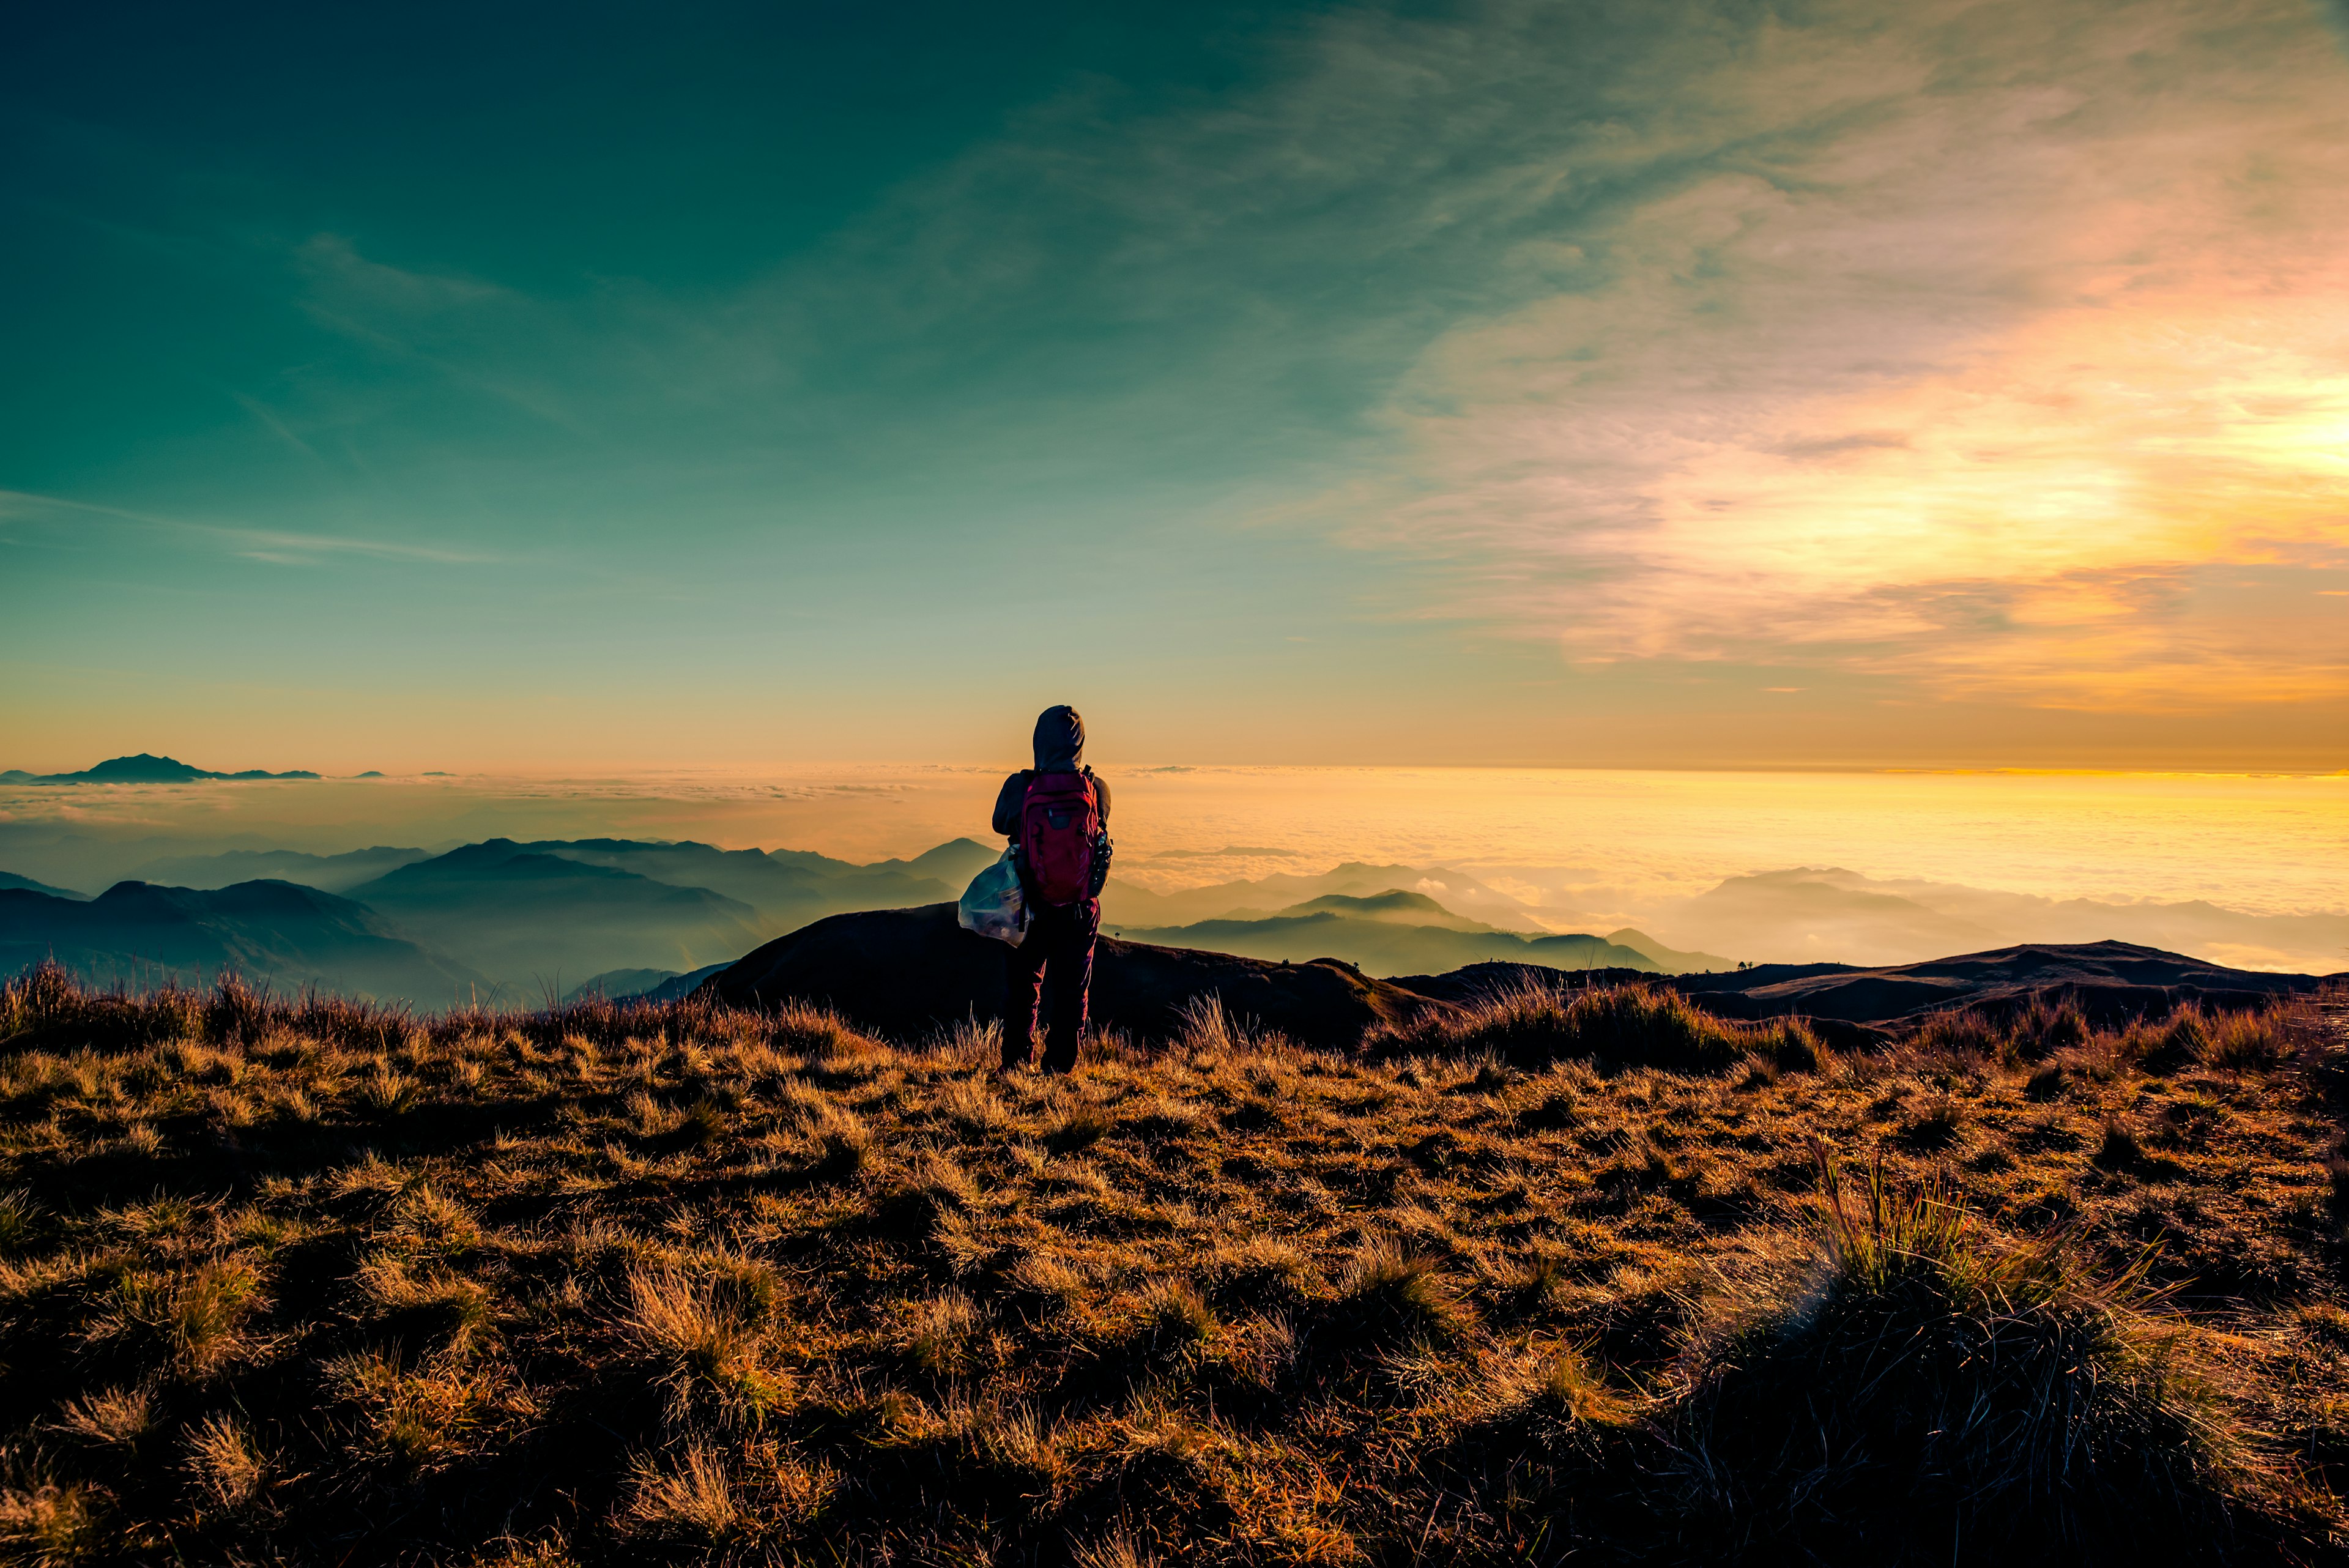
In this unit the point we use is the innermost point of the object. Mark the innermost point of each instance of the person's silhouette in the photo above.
(1056, 815)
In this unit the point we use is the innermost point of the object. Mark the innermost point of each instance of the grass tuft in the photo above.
(224, 1461)
(109, 1415)
(1077, 1128)
(1391, 1292)
(702, 1346)
(20, 1220)
(1177, 1314)
(689, 1495)
(1962, 1393)
(45, 1524)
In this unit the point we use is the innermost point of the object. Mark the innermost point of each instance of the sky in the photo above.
(1675, 385)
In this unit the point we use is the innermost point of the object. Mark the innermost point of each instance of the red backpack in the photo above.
(1060, 824)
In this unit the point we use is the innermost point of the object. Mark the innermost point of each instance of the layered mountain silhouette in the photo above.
(528, 913)
(515, 921)
(272, 933)
(525, 916)
(1457, 894)
(1382, 934)
(521, 918)
(1435, 918)
(143, 768)
(788, 888)
(954, 862)
(1394, 906)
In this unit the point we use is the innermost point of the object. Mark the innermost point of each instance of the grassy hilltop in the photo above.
(1595, 1279)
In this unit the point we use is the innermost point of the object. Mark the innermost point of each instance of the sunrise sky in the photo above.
(1663, 385)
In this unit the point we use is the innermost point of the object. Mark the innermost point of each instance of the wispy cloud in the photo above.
(267, 418)
(308, 549)
(332, 262)
(276, 547)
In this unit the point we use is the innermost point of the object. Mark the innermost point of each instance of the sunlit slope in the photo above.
(1588, 1278)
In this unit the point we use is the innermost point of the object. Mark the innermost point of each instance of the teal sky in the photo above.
(1676, 385)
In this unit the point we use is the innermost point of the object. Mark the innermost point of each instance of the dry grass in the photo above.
(1578, 1276)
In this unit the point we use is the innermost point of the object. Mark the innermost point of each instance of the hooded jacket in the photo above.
(1059, 748)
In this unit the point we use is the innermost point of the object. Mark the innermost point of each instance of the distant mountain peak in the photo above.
(1396, 904)
(146, 767)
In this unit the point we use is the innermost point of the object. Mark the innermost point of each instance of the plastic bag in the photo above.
(993, 905)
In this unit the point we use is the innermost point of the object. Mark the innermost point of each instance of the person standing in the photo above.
(1056, 815)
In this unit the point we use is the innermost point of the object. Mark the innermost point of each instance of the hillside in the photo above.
(915, 972)
(617, 1287)
(2109, 981)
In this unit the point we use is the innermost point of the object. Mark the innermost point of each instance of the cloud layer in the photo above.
(1997, 349)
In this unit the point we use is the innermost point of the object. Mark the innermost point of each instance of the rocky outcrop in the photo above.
(905, 972)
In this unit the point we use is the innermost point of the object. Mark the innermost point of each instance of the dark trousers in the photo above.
(1061, 940)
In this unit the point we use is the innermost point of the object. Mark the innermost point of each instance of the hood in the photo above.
(1060, 741)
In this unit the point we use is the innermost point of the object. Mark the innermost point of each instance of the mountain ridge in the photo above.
(26, 884)
(912, 971)
(328, 873)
